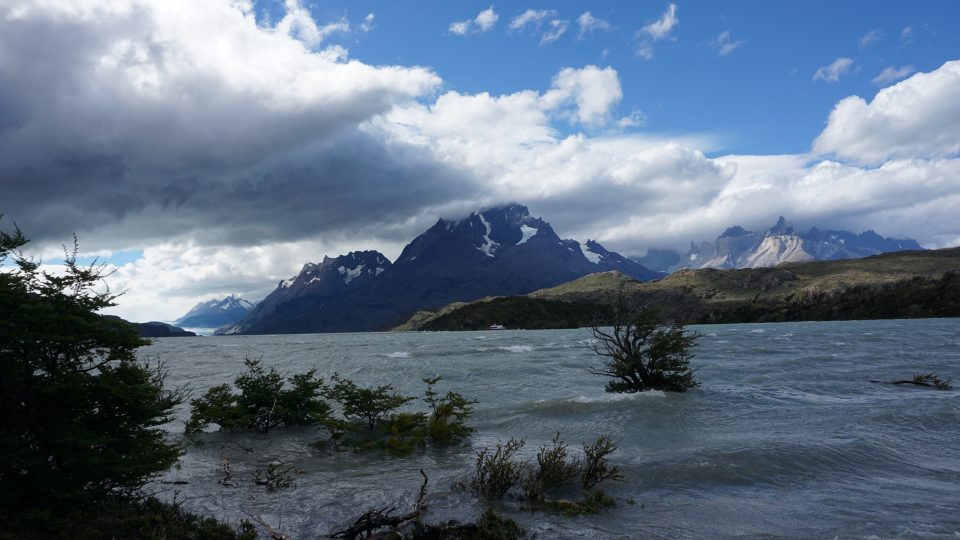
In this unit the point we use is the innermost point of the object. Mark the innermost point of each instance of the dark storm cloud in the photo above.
(128, 127)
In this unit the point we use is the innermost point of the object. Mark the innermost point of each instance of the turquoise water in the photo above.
(784, 438)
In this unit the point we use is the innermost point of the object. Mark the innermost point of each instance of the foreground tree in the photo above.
(643, 352)
(79, 414)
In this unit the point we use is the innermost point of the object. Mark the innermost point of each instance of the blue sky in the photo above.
(758, 98)
(212, 148)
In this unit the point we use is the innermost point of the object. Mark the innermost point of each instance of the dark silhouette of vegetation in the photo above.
(643, 352)
(80, 416)
(263, 403)
(409, 526)
(496, 472)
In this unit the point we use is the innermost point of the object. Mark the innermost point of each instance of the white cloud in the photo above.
(460, 28)
(915, 118)
(298, 23)
(554, 30)
(367, 24)
(724, 45)
(589, 24)
(834, 71)
(906, 35)
(871, 37)
(662, 27)
(656, 31)
(486, 19)
(531, 17)
(892, 74)
(482, 23)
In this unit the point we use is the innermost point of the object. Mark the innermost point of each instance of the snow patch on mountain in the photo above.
(489, 246)
(591, 256)
(349, 274)
(527, 232)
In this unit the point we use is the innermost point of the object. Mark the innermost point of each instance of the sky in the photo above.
(201, 149)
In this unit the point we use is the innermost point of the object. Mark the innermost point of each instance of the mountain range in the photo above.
(496, 251)
(740, 248)
(216, 313)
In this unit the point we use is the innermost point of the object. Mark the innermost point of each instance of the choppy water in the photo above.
(784, 438)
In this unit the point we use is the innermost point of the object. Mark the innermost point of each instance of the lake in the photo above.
(785, 437)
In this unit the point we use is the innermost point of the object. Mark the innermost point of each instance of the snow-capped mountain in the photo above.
(497, 251)
(216, 313)
(740, 248)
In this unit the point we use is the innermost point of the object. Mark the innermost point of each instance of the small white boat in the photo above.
(496, 326)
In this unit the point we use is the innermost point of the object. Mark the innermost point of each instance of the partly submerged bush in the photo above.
(369, 405)
(372, 420)
(643, 352)
(552, 470)
(448, 413)
(553, 473)
(264, 401)
(496, 472)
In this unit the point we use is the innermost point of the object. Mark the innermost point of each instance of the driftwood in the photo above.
(371, 521)
(927, 380)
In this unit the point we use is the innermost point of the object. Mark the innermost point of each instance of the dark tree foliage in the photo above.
(643, 352)
(371, 405)
(79, 414)
(264, 401)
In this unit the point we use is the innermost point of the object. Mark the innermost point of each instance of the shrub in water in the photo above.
(448, 413)
(643, 352)
(495, 472)
(264, 401)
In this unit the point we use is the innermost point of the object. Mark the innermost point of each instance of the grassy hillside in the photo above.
(892, 285)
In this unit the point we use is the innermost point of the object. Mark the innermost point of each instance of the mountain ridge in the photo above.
(737, 247)
(495, 251)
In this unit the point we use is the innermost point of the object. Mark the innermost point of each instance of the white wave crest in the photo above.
(398, 354)
(610, 397)
(517, 348)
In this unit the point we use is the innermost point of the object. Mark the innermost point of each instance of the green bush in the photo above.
(447, 416)
(495, 473)
(264, 402)
(552, 470)
(371, 405)
(371, 420)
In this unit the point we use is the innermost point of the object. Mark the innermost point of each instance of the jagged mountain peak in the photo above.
(740, 248)
(735, 231)
(783, 227)
(331, 271)
(216, 312)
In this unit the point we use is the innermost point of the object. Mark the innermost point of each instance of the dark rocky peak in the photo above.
(735, 231)
(343, 269)
(783, 227)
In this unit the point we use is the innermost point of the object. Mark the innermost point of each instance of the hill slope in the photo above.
(892, 285)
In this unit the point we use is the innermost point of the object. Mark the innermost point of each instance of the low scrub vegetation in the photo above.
(363, 418)
(555, 480)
